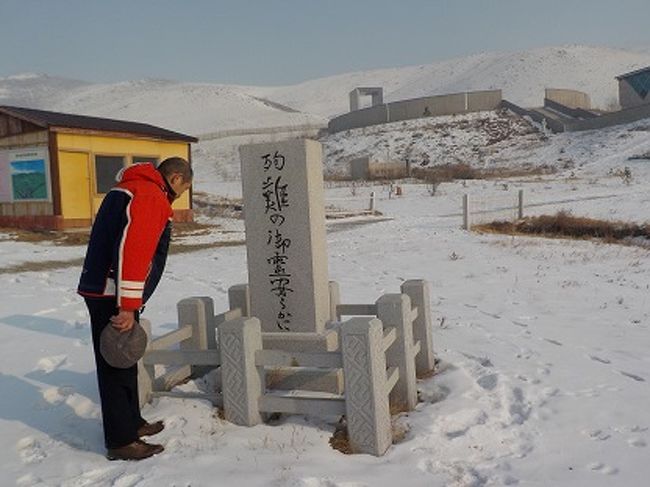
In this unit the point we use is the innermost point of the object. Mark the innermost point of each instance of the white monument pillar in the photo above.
(284, 211)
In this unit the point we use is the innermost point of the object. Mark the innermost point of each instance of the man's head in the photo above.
(178, 174)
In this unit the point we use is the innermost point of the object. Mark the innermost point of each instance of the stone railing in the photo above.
(382, 349)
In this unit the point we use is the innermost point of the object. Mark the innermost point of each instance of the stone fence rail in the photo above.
(382, 349)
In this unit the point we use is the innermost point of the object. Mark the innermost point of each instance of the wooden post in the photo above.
(372, 202)
(394, 310)
(466, 217)
(242, 381)
(366, 399)
(520, 212)
(146, 373)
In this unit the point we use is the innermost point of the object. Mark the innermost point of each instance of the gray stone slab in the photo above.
(285, 235)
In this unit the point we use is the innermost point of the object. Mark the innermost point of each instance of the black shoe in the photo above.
(137, 450)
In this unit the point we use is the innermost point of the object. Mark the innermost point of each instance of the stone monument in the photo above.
(284, 212)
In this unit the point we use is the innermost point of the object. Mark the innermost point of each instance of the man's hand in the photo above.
(123, 321)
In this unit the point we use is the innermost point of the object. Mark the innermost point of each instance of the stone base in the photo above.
(305, 379)
(327, 341)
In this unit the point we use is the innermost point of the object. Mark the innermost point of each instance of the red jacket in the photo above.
(129, 240)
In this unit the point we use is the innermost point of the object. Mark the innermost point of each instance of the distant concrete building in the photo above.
(376, 93)
(634, 88)
(365, 168)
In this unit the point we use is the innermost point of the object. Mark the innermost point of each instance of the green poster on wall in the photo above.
(29, 180)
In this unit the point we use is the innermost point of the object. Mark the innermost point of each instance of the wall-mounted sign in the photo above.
(5, 178)
(24, 175)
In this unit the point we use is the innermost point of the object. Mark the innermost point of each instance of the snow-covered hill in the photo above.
(36, 90)
(194, 108)
(199, 108)
(521, 75)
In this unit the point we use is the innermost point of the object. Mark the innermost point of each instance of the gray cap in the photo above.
(122, 350)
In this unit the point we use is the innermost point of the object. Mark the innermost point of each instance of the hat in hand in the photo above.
(123, 349)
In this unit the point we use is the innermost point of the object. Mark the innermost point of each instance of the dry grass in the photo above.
(81, 236)
(451, 172)
(182, 248)
(217, 206)
(46, 265)
(77, 238)
(564, 225)
(71, 238)
(340, 440)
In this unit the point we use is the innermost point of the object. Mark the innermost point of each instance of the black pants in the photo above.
(118, 388)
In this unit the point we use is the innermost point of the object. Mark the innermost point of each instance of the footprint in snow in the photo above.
(599, 359)
(488, 382)
(597, 435)
(491, 315)
(459, 423)
(58, 394)
(128, 480)
(82, 406)
(325, 482)
(30, 450)
(602, 468)
(50, 364)
(637, 442)
(29, 480)
(635, 377)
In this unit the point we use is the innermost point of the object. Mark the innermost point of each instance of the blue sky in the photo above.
(287, 41)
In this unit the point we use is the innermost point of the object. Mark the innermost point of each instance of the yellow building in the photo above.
(55, 168)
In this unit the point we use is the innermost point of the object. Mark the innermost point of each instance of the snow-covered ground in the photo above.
(544, 349)
(543, 343)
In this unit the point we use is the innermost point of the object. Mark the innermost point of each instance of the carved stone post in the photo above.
(242, 380)
(366, 398)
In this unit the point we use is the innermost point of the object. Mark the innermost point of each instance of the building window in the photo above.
(106, 168)
(641, 84)
(143, 159)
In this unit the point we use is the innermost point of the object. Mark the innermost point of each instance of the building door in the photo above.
(74, 174)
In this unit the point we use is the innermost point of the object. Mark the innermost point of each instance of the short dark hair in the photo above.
(176, 165)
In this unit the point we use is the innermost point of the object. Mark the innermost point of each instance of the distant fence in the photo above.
(351, 206)
(479, 209)
(621, 117)
(429, 106)
(578, 113)
(568, 98)
(590, 121)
